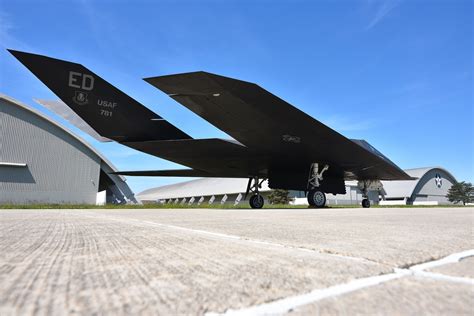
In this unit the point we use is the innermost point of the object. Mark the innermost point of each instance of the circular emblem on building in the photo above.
(438, 180)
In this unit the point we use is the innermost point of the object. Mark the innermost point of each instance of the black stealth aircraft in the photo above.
(273, 139)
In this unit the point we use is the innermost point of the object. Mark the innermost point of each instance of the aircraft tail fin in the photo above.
(61, 109)
(110, 112)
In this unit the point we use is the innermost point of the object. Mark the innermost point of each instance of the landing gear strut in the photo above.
(365, 200)
(315, 196)
(365, 186)
(256, 200)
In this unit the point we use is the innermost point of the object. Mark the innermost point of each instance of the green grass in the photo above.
(243, 205)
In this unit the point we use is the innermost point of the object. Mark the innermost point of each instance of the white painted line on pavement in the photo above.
(285, 305)
(444, 277)
(455, 257)
(419, 269)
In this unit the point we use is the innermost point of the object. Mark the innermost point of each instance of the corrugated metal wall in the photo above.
(60, 169)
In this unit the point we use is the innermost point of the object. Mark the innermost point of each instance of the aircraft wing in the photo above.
(223, 158)
(268, 124)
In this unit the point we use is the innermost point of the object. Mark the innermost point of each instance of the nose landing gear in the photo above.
(256, 201)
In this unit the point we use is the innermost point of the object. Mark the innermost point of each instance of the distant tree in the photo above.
(279, 197)
(461, 192)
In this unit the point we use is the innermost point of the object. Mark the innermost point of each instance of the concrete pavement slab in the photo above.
(406, 296)
(393, 236)
(463, 268)
(77, 261)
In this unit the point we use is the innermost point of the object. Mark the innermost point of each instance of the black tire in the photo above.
(256, 201)
(365, 203)
(316, 198)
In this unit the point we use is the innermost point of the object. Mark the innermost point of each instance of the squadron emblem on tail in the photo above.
(80, 98)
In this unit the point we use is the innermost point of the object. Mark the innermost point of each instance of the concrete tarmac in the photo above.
(292, 261)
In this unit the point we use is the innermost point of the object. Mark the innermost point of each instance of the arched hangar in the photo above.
(43, 162)
(430, 187)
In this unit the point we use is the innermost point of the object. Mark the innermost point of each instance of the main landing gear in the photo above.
(256, 200)
(316, 197)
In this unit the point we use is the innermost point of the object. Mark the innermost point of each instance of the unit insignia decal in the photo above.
(80, 98)
(438, 180)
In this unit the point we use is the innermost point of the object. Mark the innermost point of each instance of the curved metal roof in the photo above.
(198, 187)
(105, 163)
(405, 188)
(63, 128)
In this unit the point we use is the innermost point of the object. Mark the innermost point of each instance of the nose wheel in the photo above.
(316, 198)
(256, 201)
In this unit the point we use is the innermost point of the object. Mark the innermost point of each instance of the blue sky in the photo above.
(396, 73)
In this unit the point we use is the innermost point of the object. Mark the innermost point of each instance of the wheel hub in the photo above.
(318, 198)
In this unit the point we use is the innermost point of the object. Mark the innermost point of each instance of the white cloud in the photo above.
(382, 10)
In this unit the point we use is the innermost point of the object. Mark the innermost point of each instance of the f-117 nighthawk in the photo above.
(272, 139)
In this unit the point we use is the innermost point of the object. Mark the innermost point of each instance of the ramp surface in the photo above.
(329, 261)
